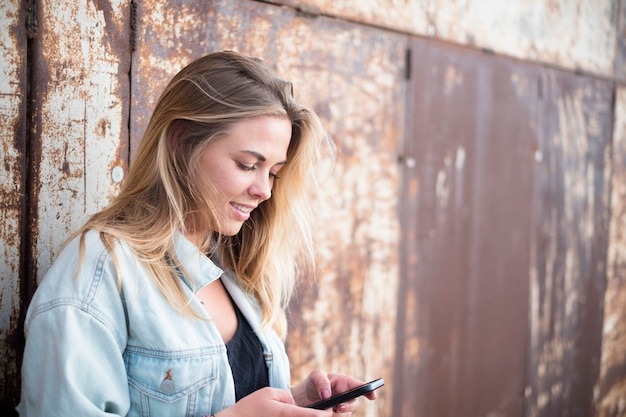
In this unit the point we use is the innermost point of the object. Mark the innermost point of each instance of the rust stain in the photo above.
(453, 78)
(12, 147)
(102, 126)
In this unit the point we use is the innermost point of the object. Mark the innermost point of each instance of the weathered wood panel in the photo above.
(578, 34)
(610, 391)
(12, 147)
(463, 309)
(569, 244)
(80, 92)
(353, 77)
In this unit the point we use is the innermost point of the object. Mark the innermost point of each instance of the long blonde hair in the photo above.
(162, 193)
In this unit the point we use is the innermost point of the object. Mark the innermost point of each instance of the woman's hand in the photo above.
(319, 385)
(270, 402)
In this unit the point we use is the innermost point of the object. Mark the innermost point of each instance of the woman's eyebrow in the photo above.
(262, 158)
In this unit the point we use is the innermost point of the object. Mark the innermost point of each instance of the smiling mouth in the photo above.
(243, 209)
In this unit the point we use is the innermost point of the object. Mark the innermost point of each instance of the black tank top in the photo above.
(245, 356)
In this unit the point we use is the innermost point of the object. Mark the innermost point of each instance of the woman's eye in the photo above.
(246, 167)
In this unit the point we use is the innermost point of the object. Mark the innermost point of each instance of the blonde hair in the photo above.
(163, 195)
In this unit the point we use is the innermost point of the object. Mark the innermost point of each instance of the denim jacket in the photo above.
(94, 348)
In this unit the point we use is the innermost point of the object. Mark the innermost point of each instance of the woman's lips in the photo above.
(242, 211)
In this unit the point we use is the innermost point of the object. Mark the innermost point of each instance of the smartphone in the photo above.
(348, 395)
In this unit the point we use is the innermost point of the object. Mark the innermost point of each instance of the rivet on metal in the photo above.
(117, 174)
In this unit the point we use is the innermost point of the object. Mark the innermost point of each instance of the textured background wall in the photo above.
(471, 236)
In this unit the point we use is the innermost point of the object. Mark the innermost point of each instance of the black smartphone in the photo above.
(348, 395)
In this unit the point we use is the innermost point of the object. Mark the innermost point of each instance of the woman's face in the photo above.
(242, 166)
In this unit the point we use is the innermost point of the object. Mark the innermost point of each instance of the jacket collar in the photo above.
(199, 268)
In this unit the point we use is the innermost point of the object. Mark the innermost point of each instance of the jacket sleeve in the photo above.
(73, 364)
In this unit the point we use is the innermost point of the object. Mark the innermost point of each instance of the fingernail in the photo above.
(325, 394)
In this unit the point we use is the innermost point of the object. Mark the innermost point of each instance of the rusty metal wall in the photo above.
(468, 179)
(610, 390)
(620, 53)
(64, 140)
(12, 149)
(467, 254)
(578, 34)
(569, 245)
(506, 217)
(80, 106)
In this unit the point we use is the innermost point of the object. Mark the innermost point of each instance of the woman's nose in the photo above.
(262, 187)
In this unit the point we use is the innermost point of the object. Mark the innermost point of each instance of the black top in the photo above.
(245, 356)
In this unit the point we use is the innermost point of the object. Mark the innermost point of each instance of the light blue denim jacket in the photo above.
(93, 350)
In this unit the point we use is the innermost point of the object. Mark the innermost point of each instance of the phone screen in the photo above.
(348, 395)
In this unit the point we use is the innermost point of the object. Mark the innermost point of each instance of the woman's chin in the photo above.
(231, 229)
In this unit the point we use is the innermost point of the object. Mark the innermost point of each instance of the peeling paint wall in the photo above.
(470, 243)
(64, 133)
(12, 147)
(577, 35)
(80, 111)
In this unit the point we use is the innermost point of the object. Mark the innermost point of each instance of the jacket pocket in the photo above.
(172, 383)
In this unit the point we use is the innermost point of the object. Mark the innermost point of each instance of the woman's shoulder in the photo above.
(80, 294)
(84, 269)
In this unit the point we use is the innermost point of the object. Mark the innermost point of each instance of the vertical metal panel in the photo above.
(463, 310)
(569, 245)
(81, 98)
(353, 77)
(12, 131)
(620, 33)
(610, 391)
(576, 34)
(346, 322)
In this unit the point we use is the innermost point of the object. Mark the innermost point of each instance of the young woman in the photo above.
(170, 302)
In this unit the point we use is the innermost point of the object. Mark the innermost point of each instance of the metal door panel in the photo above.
(463, 310)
